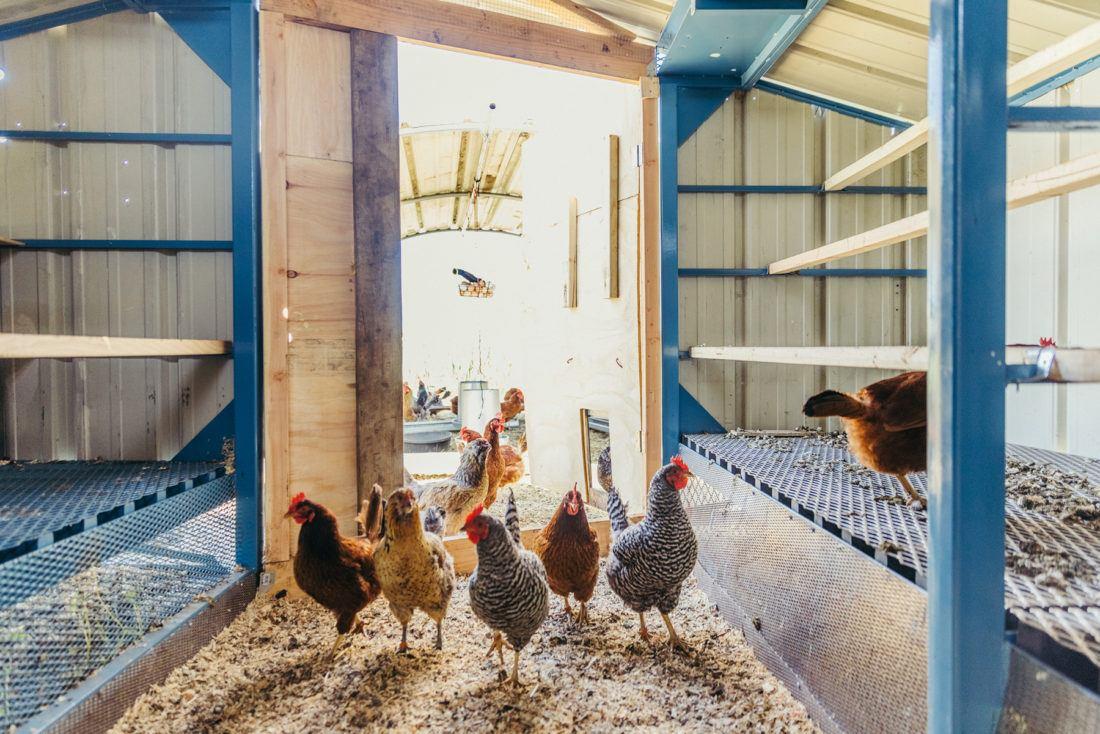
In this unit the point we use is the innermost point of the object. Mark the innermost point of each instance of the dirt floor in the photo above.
(269, 672)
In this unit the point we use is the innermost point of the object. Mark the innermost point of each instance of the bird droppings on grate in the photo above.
(269, 671)
(1052, 521)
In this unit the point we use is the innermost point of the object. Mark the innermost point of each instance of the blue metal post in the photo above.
(246, 283)
(670, 262)
(966, 98)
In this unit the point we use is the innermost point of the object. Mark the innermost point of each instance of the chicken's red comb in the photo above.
(679, 461)
(297, 499)
(1046, 341)
(474, 513)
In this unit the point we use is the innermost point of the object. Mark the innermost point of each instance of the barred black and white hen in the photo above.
(508, 589)
(649, 561)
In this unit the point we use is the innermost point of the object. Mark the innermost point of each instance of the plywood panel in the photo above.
(318, 192)
(318, 92)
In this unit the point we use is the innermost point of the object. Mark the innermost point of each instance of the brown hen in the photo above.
(570, 552)
(886, 423)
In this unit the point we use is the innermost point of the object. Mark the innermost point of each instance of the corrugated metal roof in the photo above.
(874, 53)
(452, 179)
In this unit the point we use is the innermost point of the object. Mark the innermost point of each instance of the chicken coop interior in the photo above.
(746, 353)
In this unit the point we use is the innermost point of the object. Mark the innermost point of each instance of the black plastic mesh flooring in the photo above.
(41, 503)
(817, 477)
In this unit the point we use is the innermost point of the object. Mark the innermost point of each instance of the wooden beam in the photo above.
(571, 255)
(1067, 53)
(594, 17)
(59, 346)
(465, 553)
(6, 242)
(896, 148)
(649, 281)
(613, 218)
(886, 358)
(455, 26)
(888, 234)
(1071, 365)
(1077, 174)
(273, 215)
(376, 189)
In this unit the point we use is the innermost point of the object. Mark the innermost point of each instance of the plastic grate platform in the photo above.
(69, 608)
(44, 503)
(819, 479)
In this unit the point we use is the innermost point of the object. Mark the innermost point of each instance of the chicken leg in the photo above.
(643, 631)
(673, 638)
(515, 667)
(568, 609)
(914, 497)
(404, 646)
(439, 634)
(336, 645)
(582, 617)
(498, 647)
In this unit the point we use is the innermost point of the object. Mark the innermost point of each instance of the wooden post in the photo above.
(571, 259)
(649, 286)
(376, 188)
(613, 217)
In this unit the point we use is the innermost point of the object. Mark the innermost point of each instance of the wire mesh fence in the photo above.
(70, 607)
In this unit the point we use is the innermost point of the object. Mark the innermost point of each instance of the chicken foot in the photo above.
(439, 634)
(582, 616)
(515, 667)
(673, 638)
(568, 609)
(914, 496)
(404, 646)
(643, 631)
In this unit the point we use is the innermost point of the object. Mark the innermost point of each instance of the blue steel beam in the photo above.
(244, 105)
(967, 651)
(59, 18)
(670, 257)
(832, 105)
(779, 43)
(206, 33)
(180, 245)
(806, 273)
(799, 189)
(1058, 80)
(1053, 119)
(68, 136)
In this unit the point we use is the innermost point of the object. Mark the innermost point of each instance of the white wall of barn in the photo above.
(121, 73)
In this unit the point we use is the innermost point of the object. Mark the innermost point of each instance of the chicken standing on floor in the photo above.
(413, 567)
(335, 571)
(649, 561)
(570, 553)
(512, 405)
(508, 589)
(464, 490)
(494, 460)
(886, 423)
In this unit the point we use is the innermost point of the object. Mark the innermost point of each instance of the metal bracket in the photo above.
(1038, 365)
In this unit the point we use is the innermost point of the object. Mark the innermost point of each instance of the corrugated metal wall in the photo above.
(127, 73)
(765, 139)
(1053, 267)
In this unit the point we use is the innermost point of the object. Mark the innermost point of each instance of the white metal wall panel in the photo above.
(127, 73)
(764, 139)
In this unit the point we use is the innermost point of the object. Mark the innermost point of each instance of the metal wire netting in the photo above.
(69, 608)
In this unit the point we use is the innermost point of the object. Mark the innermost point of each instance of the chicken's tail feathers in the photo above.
(616, 511)
(511, 517)
(832, 403)
(369, 519)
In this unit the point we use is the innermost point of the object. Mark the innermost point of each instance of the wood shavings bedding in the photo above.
(269, 671)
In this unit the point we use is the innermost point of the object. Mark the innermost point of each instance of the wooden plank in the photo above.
(613, 217)
(321, 220)
(888, 234)
(60, 346)
(273, 213)
(464, 552)
(1051, 61)
(885, 358)
(456, 26)
(571, 256)
(317, 63)
(6, 242)
(376, 186)
(898, 147)
(1062, 179)
(649, 281)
